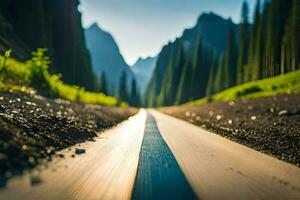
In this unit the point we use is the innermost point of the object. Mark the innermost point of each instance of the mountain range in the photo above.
(150, 72)
(106, 57)
(213, 31)
(143, 70)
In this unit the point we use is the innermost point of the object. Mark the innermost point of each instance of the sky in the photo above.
(142, 27)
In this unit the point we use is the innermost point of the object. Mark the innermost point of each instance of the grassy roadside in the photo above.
(263, 115)
(33, 76)
(33, 129)
(284, 84)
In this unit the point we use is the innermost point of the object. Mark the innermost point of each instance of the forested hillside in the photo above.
(52, 24)
(189, 54)
(192, 67)
(107, 61)
(143, 70)
(269, 48)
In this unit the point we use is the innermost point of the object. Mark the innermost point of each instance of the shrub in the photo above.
(35, 73)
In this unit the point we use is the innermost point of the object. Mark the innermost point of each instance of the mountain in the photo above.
(143, 70)
(106, 57)
(52, 24)
(213, 31)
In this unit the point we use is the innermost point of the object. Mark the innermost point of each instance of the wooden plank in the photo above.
(106, 171)
(159, 176)
(218, 168)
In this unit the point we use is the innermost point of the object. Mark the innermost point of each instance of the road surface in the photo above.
(218, 168)
(137, 158)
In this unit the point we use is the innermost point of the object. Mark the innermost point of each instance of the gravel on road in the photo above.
(33, 128)
(270, 125)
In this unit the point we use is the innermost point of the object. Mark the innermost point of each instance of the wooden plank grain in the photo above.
(218, 168)
(106, 171)
(159, 176)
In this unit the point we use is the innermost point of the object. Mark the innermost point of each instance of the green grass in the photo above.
(32, 76)
(284, 84)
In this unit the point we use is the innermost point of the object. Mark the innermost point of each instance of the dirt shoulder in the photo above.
(270, 125)
(33, 128)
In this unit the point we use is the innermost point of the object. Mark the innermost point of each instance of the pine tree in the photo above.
(212, 75)
(249, 69)
(230, 60)
(296, 35)
(261, 50)
(290, 57)
(258, 69)
(123, 94)
(134, 96)
(244, 42)
(165, 96)
(196, 70)
(278, 14)
(219, 78)
(103, 83)
(176, 74)
(205, 70)
(185, 84)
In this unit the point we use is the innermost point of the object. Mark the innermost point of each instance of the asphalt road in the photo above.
(155, 156)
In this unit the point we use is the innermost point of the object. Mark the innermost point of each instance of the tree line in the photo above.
(127, 90)
(267, 47)
(53, 25)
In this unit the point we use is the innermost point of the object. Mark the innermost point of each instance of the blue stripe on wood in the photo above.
(159, 175)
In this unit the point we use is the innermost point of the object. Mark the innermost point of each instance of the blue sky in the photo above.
(142, 27)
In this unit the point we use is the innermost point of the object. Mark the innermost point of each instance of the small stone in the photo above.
(218, 117)
(282, 112)
(50, 150)
(2, 109)
(79, 151)
(3, 157)
(31, 160)
(35, 180)
(253, 118)
(60, 155)
(15, 112)
(230, 121)
(187, 113)
(231, 103)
